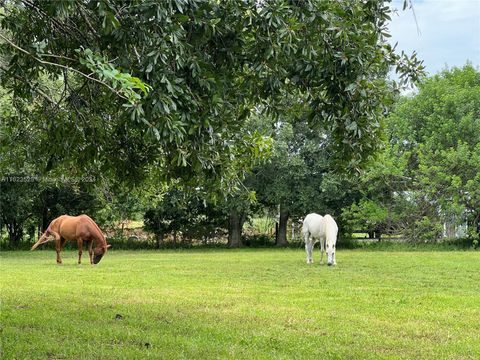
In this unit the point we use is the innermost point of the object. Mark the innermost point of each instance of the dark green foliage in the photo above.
(258, 241)
(168, 85)
(186, 214)
(429, 173)
(17, 197)
(65, 199)
(25, 202)
(138, 92)
(300, 177)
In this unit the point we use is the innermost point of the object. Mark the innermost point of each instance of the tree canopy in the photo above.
(428, 176)
(143, 88)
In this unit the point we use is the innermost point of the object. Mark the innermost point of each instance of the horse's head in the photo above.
(98, 253)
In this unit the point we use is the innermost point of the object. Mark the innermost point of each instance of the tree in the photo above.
(428, 174)
(168, 216)
(17, 196)
(383, 195)
(440, 131)
(54, 200)
(168, 85)
(117, 205)
(184, 212)
(278, 182)
(300, 177)
(238, 207)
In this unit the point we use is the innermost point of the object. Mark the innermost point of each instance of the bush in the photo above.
(425, 230)
(257, 241)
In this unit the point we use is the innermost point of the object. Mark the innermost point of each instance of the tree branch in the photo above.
(44, 62)
(40, 92)
(89, 24)
(62, 27)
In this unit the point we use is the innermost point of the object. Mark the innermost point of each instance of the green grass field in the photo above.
(241, 304)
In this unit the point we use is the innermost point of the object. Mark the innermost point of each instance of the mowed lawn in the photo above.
(241, 304)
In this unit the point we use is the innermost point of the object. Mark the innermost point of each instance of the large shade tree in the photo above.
(438, 130)
(428, 176)
(167, 85)
(300, 177)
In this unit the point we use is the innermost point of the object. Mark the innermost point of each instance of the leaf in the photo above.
(352, 87)
(182, 18)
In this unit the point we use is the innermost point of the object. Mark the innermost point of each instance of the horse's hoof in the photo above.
(330, 264)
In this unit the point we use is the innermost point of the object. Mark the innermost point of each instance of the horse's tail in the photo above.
(305, 229)
(52, 229)
(43, 239)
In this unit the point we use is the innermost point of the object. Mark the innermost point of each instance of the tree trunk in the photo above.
(476, 223)
(282, 227)
(44, 218)
(276, 232)
(235, 225)
(15, 234)
(122, 230)
(159, 238)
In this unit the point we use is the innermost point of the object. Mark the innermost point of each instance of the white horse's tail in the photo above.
(304, 229)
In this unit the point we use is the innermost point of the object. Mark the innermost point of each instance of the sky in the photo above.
(448, 32)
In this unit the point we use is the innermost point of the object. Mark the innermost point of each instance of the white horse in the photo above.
(320, 228)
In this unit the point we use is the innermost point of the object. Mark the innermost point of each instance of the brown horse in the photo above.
(75, 228)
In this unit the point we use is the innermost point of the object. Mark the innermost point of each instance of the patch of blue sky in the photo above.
(444, 33)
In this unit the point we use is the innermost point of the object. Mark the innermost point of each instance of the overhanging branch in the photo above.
(44, 62)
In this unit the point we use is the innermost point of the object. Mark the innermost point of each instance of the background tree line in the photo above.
(423, 184)
(196, 115)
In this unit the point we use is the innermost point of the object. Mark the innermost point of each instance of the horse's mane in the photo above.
(97, 228)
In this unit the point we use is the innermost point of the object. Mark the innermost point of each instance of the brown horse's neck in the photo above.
(99, 239)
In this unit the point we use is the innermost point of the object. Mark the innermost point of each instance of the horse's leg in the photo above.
(58, 248)
(80, 250)
(334, 258)
(90, 251)
(308, 248)
(322, 249)
(58, 245)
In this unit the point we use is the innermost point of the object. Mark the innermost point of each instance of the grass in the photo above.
(241, 304)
